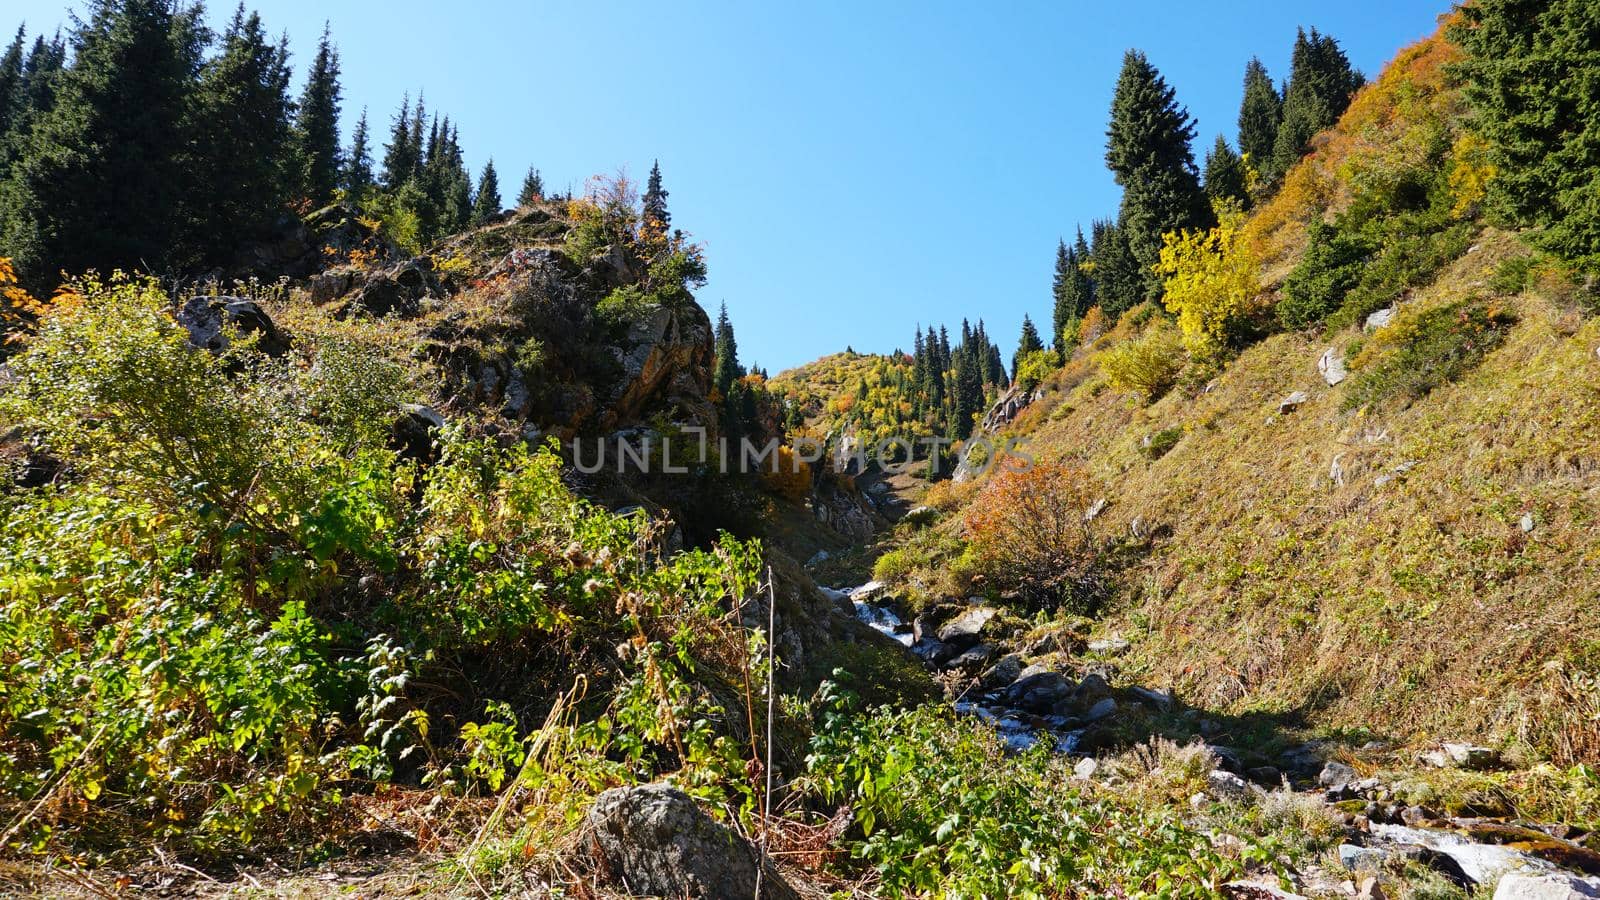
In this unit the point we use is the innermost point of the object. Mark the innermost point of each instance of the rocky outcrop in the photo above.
(398, 290)
(666, 357)
(1007, 407)
(655, 841)
(207, 319)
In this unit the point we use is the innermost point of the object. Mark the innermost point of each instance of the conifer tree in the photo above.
(1259, 114)
(725, 371)
(1531, 72)
(357, 177)
(1060, 290)
(1321, 83)
(240, 132)
(1147, 149)
(1028, 343)
(11, 82)
(1119, 285)
(656, 219)
(532, 188)
(486, 204)
(316, 127)
(400, 155)
(1225, 174)
(98, 180)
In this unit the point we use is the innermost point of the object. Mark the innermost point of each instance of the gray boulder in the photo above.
(1335, 775)
(1039, 693)
(205, 319)
(1002, 673)
(653, 840)
(1331, 365)
(1379, 319)
(965, 629)
(1292, 402)
(1546, 886)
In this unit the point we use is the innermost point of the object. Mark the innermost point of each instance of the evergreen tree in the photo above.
(1321, 83)
(1147, 149)
(486, 205)
(1259, 115)
(98, 181)
(1531, 72)
(656, 218)
(1074, 291)
(1225, 174)
(240, 130)
(400, 155)
(1028, 343)
(532, 188)
(357, 178)
(11, 95)
(316, 127)
(725, 371)
(1060, 290)
(1119, 285)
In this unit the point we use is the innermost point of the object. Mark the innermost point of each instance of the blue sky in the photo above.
(853, 168)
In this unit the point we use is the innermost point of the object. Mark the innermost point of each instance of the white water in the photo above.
(879, 617)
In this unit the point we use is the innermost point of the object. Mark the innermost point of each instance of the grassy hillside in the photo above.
(1411, 551)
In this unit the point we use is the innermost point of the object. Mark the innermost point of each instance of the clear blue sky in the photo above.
(853, 168)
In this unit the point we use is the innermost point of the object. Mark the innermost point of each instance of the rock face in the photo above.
(654, 841)
(1006, 408)
(205, 317)
(398, 290)
(668, 355)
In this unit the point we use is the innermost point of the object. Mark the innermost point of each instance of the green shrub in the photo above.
(1411, 255)
(1513, 275)
(891, 567)
(1158, 444)
(1419, 352)
(1148, 364)
(1318, 285)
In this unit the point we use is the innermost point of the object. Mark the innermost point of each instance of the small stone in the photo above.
(1527, 522)
(1471, 756)
(1360, 859)
(1101, 710)
(1110, 646)
(1227, 785)
(1086, 767)
(1331, 365)
(1379, 319)
(1292, 402)
(1159, 699)
(1094, 511)
(1369, 889)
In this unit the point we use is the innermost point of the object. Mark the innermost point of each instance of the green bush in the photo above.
(1318, 285)
(1161, 442)
(1034, 368)
(1418, 353)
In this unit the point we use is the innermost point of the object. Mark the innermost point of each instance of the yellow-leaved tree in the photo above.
(1211, 282)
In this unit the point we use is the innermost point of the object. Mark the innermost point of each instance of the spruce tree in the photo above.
(1321, 83)
(1225, 174)
(725, 370)
(1028, 343)
(240, 132)
(532, 188)
(1531, 72)
(11, 82)
(357, 177)
(1060, 291)
(1119, 285)
(1259, 114)
(486, 203)
(656, 219)
(1147, 150)
(98, 180)
(400, 155)
(316, 127)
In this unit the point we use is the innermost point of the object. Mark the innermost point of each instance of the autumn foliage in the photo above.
(1030, 534)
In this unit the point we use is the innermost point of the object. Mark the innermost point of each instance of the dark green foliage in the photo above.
(1072, 289)
(1513, 275)
(97, 182)
(1147, 149)
(241, 129)
(656, 219)
(1118, 284)
(1026, 344)
(1532, 74)
(726, 369)
(1225, 174)
(1157, 445)
(1411, 251)
(1321, 83)
(1435, 348)
(357, 177)
(316, 127)
(486, 203)
(1318, 285)
(11, 82)
(532, 188)
(401, 158)
(1259, 114)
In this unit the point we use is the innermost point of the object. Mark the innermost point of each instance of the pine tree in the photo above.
(486, 203)
(1147, 149)
(1060, 291)
(400, 155)
(357, 177)
(316, 127)
(656, 219)
(1321, 83)
(725, 371)
(1119, 285)
(1074, 291)
(98, 178)
(240, 132)
(1531, 71)
(1028, 343)
(1259, 114)
(532, 188)
(11, 95)
(1225, 174)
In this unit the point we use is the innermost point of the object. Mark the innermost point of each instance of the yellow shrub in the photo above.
(1470, 173)
(1148, 364)
(1210, 283)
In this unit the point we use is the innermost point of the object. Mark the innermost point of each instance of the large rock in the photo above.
(414, 432)
(1546, 886)
(666, 359)
(654, 841)
(1039, 693)
(399, 290)
(1331, 365)
(205, 319)
(964, 630)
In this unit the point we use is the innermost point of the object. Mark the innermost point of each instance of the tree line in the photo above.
(143, 140)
